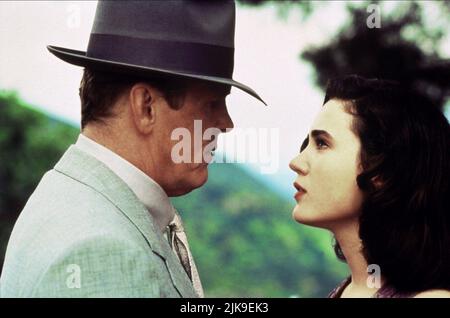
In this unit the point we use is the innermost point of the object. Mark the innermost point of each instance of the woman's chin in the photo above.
(303, 216)
(298, 214)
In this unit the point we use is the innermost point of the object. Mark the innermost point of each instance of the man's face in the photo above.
(203, 105)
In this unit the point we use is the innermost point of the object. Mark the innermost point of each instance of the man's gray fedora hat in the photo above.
(189, 38)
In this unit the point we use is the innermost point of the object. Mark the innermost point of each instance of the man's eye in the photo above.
(214, 103)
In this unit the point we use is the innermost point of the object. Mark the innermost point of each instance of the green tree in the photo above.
(405, 48)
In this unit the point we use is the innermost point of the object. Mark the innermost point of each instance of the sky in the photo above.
(266, 58)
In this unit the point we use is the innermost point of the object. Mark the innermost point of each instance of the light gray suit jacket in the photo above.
(84, 233)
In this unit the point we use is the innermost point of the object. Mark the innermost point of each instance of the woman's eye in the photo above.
(321, 144)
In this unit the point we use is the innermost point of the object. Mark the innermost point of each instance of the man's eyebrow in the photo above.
(223, 92)
(321, 133)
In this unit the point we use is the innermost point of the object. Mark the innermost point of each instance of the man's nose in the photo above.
(225, 123)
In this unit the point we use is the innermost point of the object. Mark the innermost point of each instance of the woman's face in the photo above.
(327, 169)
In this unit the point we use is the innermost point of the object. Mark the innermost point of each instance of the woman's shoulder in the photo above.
(434, 293)
(337, 291)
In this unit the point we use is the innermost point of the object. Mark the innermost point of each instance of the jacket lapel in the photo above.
(86, 169)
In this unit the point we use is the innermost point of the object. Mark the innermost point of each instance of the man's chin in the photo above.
(197, 179)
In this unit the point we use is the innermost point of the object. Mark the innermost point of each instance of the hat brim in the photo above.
(79, 58)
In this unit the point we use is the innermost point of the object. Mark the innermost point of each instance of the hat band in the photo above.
(186, 57)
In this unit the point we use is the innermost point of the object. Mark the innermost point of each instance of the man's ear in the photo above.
(143, 99)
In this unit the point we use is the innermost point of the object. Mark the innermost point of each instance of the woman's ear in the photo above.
(143, 99)
(377, 182)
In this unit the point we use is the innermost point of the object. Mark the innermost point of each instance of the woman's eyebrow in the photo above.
(304, 143)
(321, 133)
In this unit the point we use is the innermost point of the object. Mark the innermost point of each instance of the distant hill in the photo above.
(240, 231)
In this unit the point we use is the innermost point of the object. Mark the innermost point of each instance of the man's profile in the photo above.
(100, 223)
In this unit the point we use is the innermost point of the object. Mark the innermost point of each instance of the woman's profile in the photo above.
(375, 171)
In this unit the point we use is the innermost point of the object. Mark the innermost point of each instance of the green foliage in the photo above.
(241, 233)
(285, 6)
(387, 52)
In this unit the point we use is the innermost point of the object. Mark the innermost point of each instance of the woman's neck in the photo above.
(348, 238)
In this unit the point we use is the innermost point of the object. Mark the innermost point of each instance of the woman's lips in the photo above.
(299, 195)
(300, 191)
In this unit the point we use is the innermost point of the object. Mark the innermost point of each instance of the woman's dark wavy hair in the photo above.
(405, 158)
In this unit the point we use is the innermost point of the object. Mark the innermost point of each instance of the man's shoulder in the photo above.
(95, 265)
(62, 212)
(60, 200)
(63, 206)
(66, 222)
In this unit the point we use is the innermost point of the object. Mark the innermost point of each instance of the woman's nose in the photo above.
(299, 164)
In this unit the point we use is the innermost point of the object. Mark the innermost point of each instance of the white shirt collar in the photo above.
(145, 188)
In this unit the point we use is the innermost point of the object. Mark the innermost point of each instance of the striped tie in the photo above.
(180, 246)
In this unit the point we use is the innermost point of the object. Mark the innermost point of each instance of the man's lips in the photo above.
(208, 157)
(211, 149)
